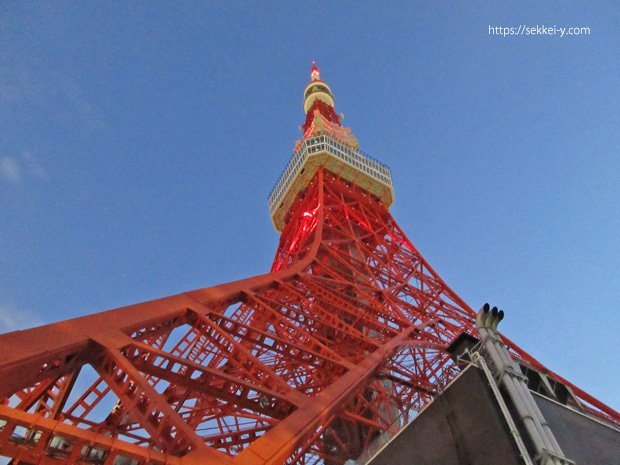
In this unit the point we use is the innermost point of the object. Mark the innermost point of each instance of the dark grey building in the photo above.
(498, 412)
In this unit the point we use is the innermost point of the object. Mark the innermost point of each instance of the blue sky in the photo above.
(138, 143)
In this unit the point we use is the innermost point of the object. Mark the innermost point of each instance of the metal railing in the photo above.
(355, 158)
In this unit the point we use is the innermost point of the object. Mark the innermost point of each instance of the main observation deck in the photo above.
(323, 150)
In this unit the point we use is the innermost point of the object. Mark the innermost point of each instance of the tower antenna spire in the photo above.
(321, 116)
(315, 73)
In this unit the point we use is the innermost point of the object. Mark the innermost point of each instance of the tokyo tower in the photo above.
(343, 343)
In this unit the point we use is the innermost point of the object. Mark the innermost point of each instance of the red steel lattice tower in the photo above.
(344, 339)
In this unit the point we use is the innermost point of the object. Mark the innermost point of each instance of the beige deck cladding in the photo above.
(336, 157)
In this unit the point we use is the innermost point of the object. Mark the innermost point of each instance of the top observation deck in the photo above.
(339, 158)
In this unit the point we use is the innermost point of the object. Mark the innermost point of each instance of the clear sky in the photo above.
(139, 141)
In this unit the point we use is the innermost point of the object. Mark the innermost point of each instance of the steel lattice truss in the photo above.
(345, 339)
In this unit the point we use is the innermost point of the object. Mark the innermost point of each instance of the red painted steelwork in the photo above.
(306, 364)
(324, 110)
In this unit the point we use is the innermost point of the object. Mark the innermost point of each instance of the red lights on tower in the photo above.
(315, 74)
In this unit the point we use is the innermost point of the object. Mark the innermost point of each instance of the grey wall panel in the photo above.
(463, 426)
(585, 441)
